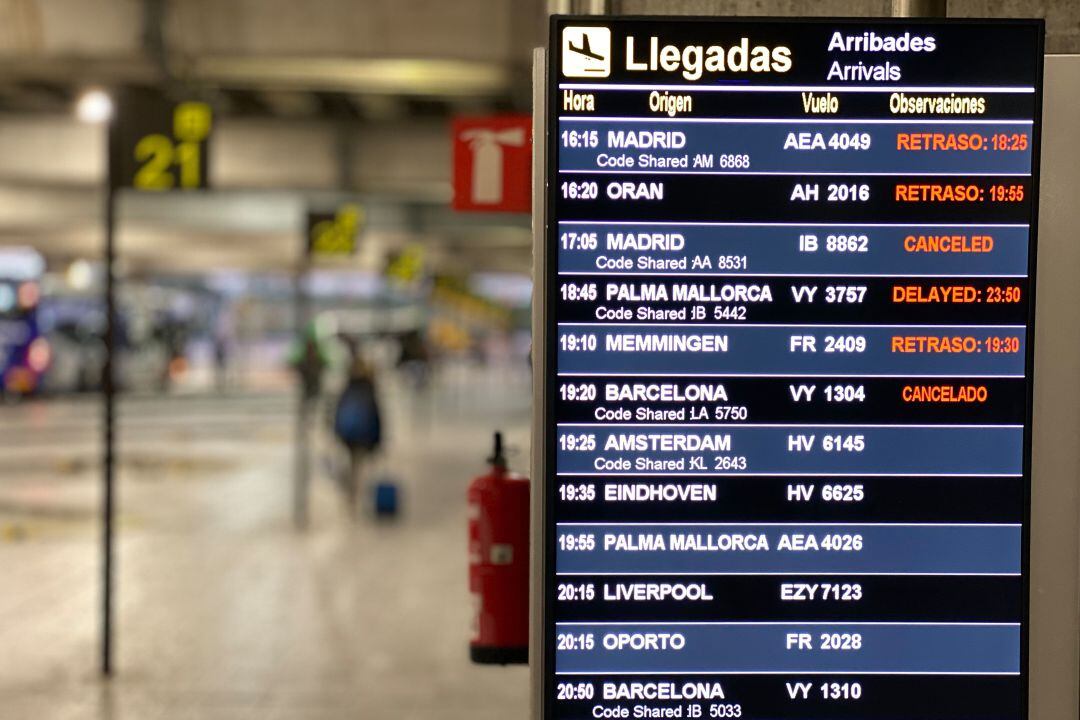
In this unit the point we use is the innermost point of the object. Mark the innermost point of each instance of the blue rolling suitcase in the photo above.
(386, 498)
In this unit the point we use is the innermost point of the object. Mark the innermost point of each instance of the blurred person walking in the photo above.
(357, 422)
(309, 359)
(414, 358)
(222, 344)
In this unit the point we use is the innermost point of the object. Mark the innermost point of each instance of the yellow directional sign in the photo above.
(335, 233)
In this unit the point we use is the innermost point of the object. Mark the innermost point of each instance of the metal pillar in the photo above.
(920, 8)
(302, 445)
(579, 7)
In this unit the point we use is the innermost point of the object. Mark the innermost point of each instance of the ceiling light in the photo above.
(94, 107)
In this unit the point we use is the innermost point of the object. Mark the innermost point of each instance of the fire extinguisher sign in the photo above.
(492, 163)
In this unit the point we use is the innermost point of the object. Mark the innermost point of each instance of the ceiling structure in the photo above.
(314, 102)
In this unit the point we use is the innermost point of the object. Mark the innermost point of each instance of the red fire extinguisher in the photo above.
(499, 563)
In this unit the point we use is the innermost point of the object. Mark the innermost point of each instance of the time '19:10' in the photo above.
(582, 342)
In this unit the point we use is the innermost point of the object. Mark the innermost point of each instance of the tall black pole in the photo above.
(302, 460)
(109, 394)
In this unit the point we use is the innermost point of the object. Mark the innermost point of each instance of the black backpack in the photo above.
(356, 418)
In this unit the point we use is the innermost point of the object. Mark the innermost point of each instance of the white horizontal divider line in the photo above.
(796, 121)
(930, 426)
(775, 672)
(662, 325)
(779, 375)
(578, 623)
(804, 173)
(796, 573)
(1024, 89)
(690, 523)
(749, 273)
(681, 223)
(721, 473)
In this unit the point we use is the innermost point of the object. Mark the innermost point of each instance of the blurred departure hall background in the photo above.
(288, 243)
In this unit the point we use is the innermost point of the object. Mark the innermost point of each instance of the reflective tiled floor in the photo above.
(226, 611)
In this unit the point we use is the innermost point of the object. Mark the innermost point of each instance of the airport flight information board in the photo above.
(788, 311)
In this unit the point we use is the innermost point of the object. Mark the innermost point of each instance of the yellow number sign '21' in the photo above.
(167, 162)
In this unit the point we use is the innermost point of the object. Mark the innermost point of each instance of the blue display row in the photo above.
(790, 146)
(797, 249)
(788, 648)
(778, 548)
(789, 449)
(792, 349)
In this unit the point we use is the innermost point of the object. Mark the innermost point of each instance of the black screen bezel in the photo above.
(545, 535)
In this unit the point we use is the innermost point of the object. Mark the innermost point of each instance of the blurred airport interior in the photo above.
(317, 238)
(316, 247)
